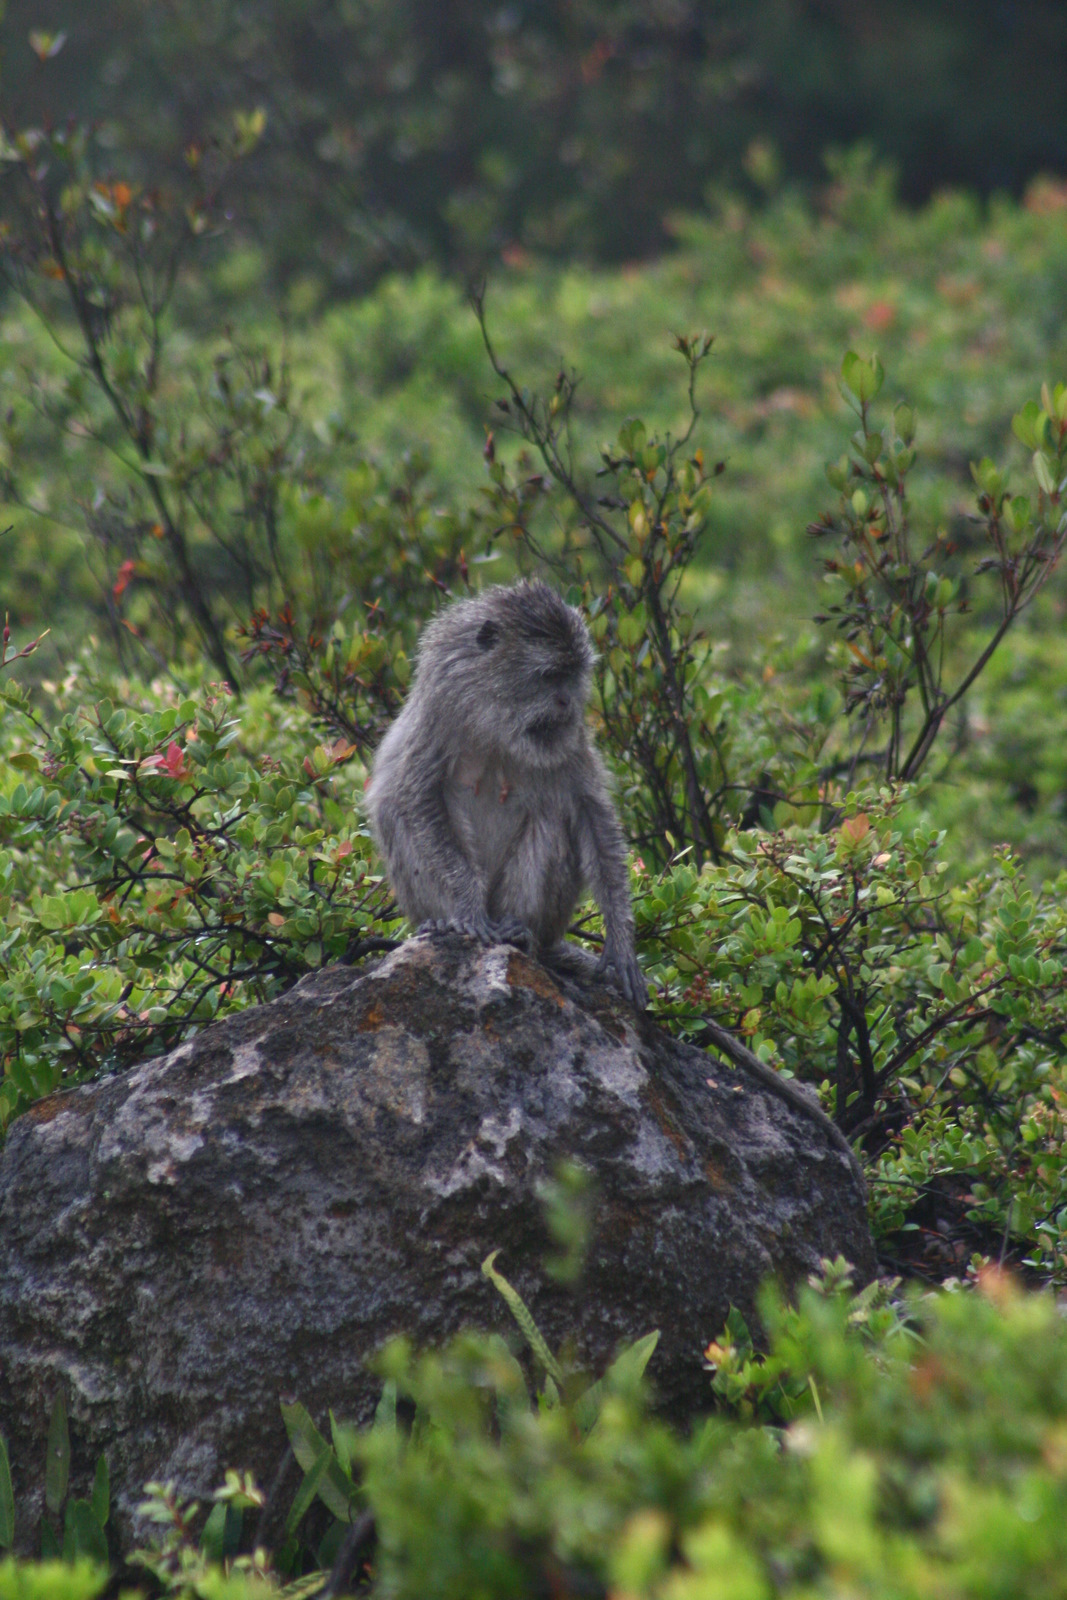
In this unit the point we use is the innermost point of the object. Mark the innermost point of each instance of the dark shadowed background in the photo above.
(406, 130)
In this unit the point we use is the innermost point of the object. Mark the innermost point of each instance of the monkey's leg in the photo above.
(437, 885)
(604, 862)
(569, 959)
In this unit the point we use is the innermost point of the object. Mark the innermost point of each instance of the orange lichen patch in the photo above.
(46, 1110)
(525, 974)
(372, 1019)
(716, 1177)
(656, 1104)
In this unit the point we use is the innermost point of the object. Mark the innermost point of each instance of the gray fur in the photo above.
(487, 800)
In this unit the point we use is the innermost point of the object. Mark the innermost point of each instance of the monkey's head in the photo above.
(513, 667)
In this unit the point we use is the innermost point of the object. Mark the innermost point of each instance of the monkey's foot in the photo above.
(571, 960)
(512, 930)
(574, 962)
(620, 968)
(509, 930)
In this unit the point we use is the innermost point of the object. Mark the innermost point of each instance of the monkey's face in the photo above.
(551, 713)
(534, 668)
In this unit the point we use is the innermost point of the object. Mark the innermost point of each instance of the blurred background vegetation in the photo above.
(797, 176)
(408, 131)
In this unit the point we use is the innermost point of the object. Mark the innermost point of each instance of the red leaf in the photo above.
(173, 763)
(121, 583)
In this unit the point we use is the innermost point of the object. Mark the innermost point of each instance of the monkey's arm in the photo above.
(603, 857)
(432, 877)
(438, 884)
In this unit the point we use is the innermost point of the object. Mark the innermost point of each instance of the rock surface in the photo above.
(255, 1213)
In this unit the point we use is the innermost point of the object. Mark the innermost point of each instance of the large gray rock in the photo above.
(253, 1214)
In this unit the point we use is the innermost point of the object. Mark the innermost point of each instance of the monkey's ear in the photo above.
(488, 634)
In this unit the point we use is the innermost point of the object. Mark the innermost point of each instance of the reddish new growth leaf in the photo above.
(855, 829)
(172, 764)
(122, 582)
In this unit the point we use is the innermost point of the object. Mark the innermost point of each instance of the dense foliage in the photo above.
(400, 131)
(895, 1452)
(374, 415)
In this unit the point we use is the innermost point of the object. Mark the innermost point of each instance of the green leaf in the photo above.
(862, 378)
(520, 1311)
(1024, 424)
(905, 422)
(627, 1368)
(82, 1534)
(57, 1463)
(306, 1440)
(1043, 473)
(385, 1410)
(313, 1483)
(221, 1536)
(631, 630)
(1017, 512)
(343, 1439)
(308, 1446)
(101, 1498)
(7, 1500)
(850, 371)
(213, 1536)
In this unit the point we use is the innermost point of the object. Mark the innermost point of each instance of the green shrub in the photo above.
(912, 1450)
(402, 130)
(163, 862)
(916, 1458)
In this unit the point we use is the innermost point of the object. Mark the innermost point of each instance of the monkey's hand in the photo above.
(509, 930)
(620, 963)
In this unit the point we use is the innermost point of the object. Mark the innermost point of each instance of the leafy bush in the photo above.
(205, 495)
(162, 863)
(172, 850)
(908, 1449)
(930, 1014)
(169, 860)
(917, 1459)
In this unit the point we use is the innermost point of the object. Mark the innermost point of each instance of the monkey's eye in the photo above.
(488, 634)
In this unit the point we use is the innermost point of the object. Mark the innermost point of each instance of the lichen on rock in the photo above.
(254, 1214)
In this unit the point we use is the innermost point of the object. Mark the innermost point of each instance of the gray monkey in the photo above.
(487, 800)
